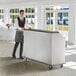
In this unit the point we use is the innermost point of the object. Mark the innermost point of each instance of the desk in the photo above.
(44, 46)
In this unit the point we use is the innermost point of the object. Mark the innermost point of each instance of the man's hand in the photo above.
(23, 29)
(30, 28)
(27, 28)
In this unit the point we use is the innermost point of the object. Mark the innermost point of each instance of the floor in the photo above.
(18, 67)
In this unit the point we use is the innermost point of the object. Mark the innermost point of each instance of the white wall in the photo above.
(72, 24)
(41, 4)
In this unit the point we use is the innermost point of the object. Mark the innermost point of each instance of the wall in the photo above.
(41, 4)
(72, 24)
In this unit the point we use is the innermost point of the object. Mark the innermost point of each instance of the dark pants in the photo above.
(15, 48)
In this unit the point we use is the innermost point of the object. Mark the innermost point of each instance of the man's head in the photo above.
(22, 13)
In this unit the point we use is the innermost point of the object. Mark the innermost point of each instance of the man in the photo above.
(19, 38)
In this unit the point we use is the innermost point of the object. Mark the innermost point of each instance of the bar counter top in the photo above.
(39, 30)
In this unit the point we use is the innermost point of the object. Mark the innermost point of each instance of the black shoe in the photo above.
(14, 56)
(21, 58)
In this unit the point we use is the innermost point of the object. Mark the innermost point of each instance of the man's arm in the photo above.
(26, 25)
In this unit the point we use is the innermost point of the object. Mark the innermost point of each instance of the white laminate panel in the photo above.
(44, 47)
(37, 46)
(58, 49)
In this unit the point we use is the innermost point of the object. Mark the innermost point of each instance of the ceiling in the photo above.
(20, 1)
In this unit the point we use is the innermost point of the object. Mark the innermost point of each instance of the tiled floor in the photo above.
(17, 67)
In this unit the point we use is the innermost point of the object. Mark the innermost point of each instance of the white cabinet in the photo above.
(44, 46)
